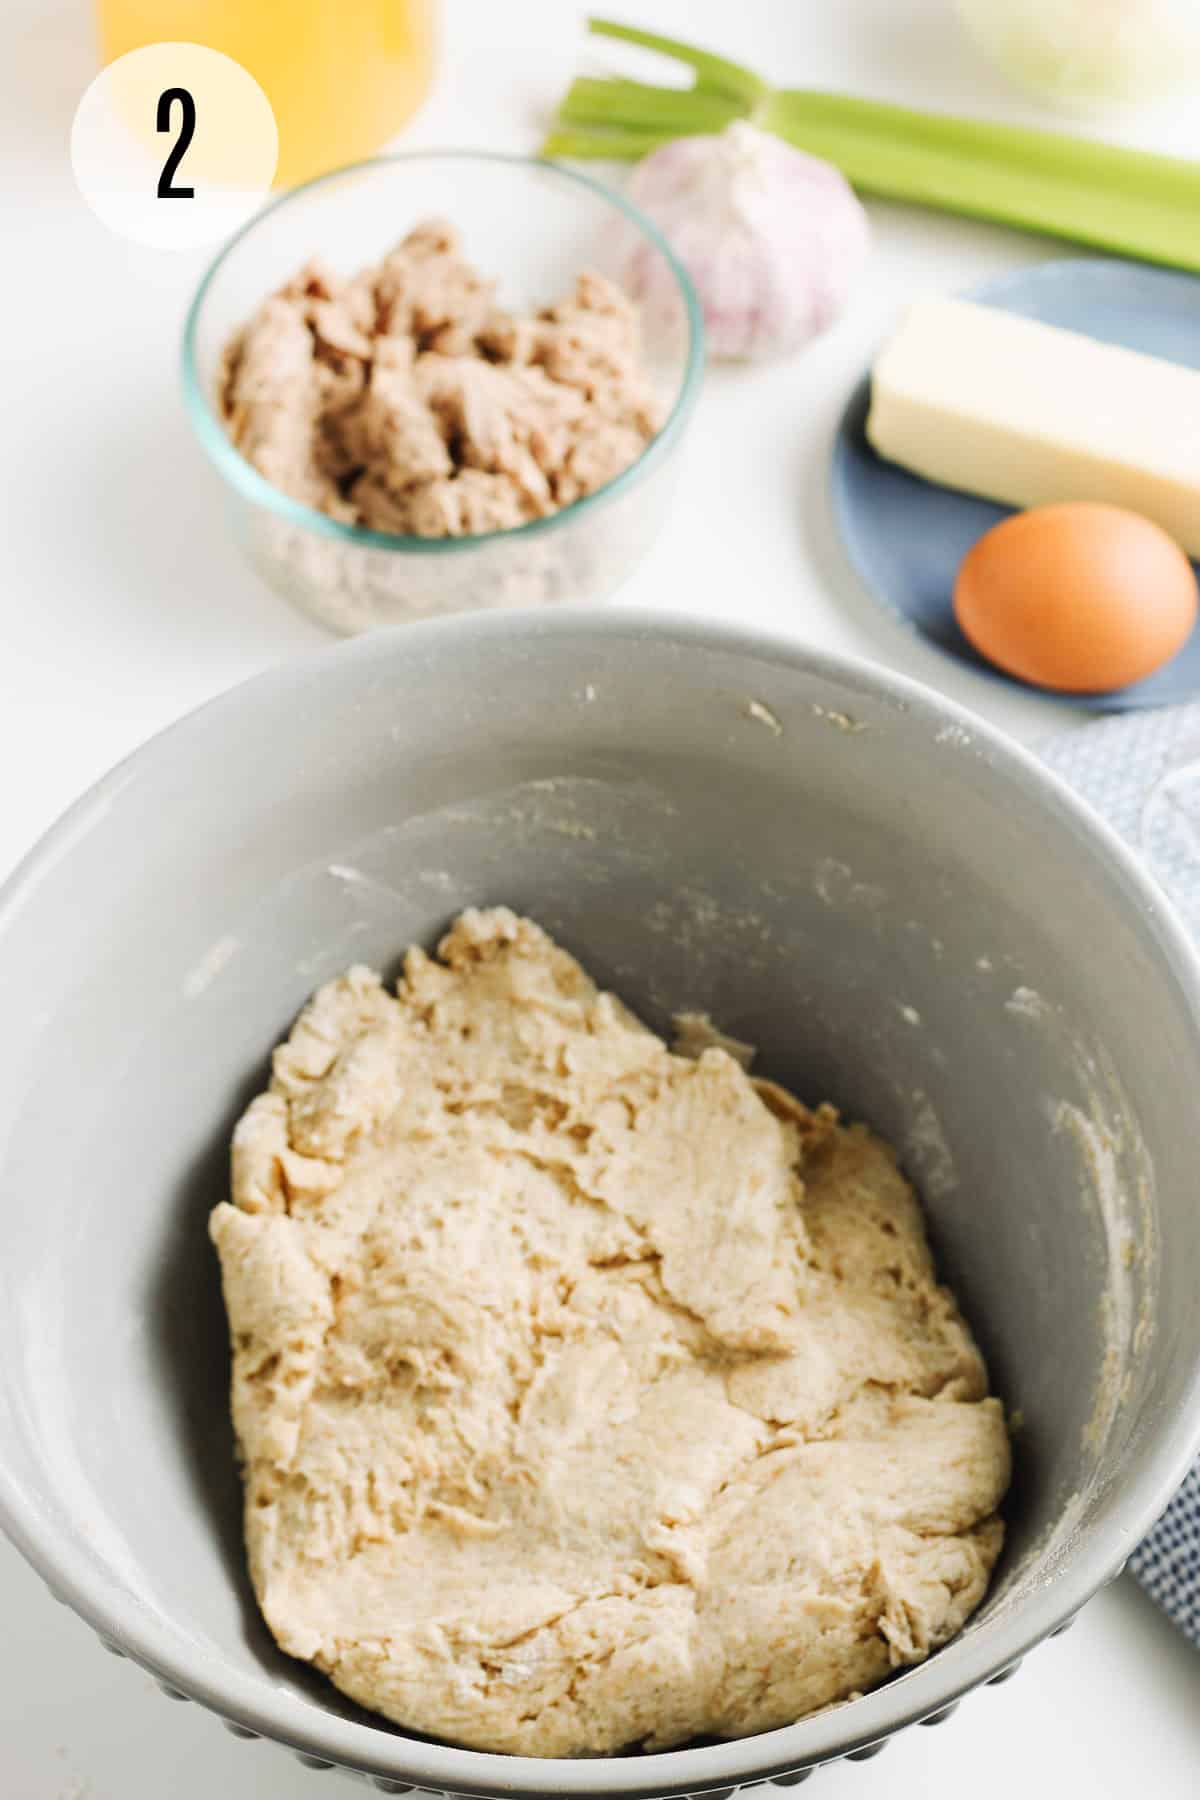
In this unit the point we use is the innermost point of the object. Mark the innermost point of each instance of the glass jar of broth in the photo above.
(343, 76)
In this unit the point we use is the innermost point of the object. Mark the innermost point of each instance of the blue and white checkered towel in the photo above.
(1168, 1563)
(1142, 771)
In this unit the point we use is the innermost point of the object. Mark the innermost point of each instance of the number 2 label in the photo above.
(175, 122)
(187, 129)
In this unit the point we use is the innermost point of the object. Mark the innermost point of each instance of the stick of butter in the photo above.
(1014, 410)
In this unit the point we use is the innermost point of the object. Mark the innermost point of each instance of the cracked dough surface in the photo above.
(589, 1395)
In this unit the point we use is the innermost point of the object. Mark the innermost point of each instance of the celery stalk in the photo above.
(1129, 201)
(590, 102)
(713, 74)
(577, 144)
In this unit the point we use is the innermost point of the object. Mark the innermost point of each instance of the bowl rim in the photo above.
(1168, 1443)
(246, 480)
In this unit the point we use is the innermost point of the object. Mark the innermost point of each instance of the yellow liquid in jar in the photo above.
(342, 75)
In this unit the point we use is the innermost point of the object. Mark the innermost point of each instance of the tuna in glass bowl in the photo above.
(530, 226)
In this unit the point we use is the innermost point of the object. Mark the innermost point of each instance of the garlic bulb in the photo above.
(1090, 53)
(773, 240)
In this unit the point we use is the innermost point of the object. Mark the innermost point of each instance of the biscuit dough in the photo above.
(589, 1396)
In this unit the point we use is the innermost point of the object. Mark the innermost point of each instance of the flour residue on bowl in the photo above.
(760, 712)
(841, 721)
(1099, 1151)
(926, 1150)
(205, 972)
(837, 885)
(351, 877)
(1116, 1187)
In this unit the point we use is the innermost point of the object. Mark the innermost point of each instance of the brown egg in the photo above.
(1079, 597)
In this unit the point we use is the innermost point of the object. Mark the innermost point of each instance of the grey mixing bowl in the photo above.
(902, 910)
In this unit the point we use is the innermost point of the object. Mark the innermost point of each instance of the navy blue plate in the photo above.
(906, 537)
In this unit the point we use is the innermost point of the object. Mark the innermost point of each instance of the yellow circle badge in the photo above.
(174, 145)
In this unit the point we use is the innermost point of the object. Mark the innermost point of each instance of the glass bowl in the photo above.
(532, 226)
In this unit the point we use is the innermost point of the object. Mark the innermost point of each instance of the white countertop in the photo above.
(124, 603)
